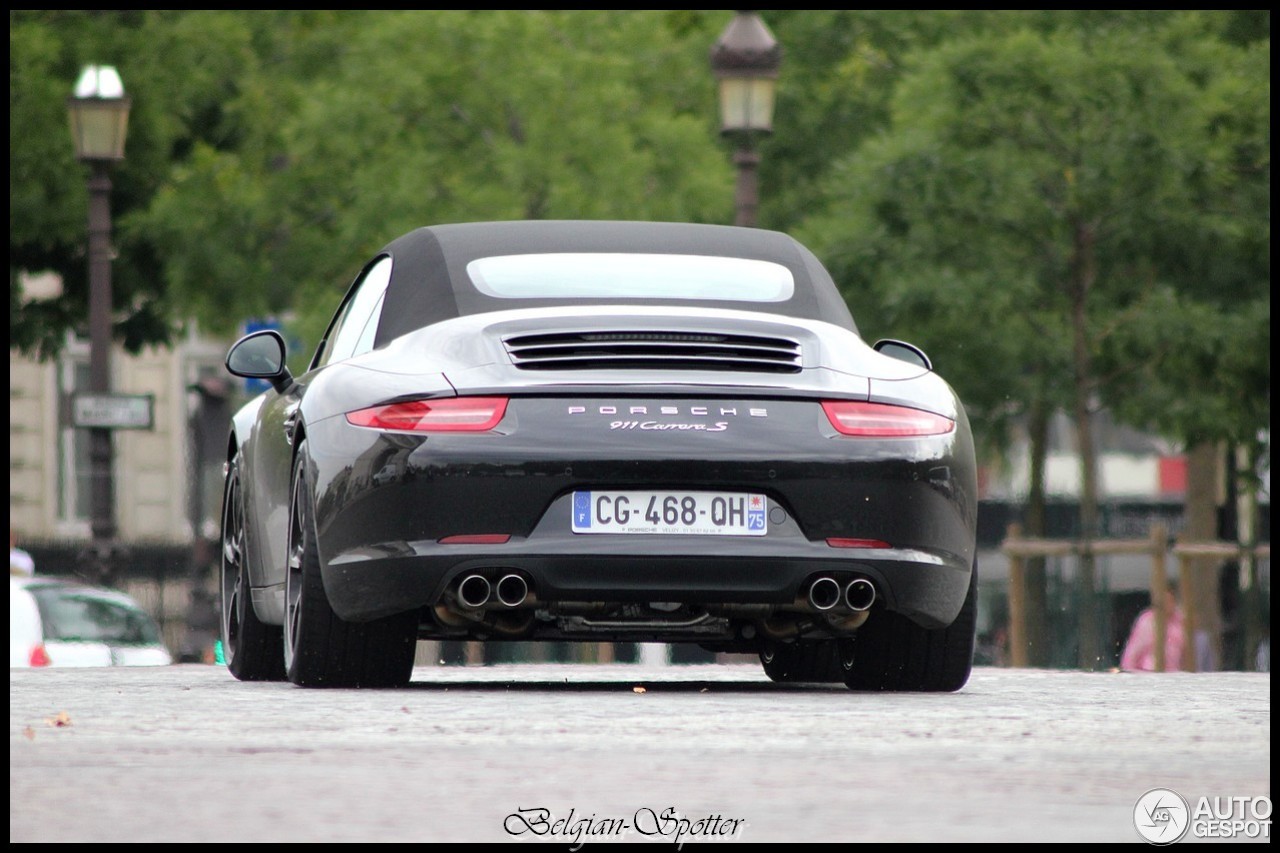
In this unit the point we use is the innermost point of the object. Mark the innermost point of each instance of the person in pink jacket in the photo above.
(1140, 649)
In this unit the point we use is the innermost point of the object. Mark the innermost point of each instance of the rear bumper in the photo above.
(927, 588)
(384, 502)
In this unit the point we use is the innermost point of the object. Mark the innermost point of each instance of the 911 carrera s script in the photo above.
(695, 411)
(658, 426)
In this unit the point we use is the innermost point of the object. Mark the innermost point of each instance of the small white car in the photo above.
(55, 623)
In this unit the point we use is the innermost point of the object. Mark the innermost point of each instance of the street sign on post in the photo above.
(113, 411)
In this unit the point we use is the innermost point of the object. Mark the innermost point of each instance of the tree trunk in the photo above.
(1037, 595)
(1203, 472)
(1083, 273)
(1247, 535)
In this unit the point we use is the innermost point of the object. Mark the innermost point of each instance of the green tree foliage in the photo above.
(840, 68)
(47, 193)
(270, 153)
(184, 72)
(961, 219)
(1213, 319)
(838, 72)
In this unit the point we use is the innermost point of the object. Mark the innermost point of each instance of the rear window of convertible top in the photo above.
(618, 275)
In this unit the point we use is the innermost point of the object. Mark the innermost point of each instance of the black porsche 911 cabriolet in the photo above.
(599, 431)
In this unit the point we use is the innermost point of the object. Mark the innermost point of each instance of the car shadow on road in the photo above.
(638, 686)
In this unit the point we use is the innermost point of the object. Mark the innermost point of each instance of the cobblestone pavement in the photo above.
(594, 753)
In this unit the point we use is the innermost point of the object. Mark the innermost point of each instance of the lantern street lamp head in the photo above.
(99, 112)
(745, 59)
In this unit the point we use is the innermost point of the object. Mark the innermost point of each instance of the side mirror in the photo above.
(903, 351)
(260, 356)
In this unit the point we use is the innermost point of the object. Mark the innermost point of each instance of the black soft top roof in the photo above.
(429, 281)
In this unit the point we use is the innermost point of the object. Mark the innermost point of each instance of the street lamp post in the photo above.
(745, 60)
(99, 113)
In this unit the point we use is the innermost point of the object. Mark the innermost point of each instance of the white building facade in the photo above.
(153, 469)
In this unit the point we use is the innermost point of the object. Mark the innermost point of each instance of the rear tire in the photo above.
(813, 661)
(892, 653)
(250, 647)
(321, 649)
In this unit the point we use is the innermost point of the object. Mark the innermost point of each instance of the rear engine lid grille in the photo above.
(648, 350)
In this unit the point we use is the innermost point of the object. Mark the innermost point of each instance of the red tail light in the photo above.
(880, 420)
(39, 657)
(449, 414)
(840, 542)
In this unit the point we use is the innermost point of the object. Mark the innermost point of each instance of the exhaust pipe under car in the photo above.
(513, 590)
(474, 591)
(859, 595)
(824, 594)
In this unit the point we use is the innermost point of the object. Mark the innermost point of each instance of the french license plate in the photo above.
(708, 513)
